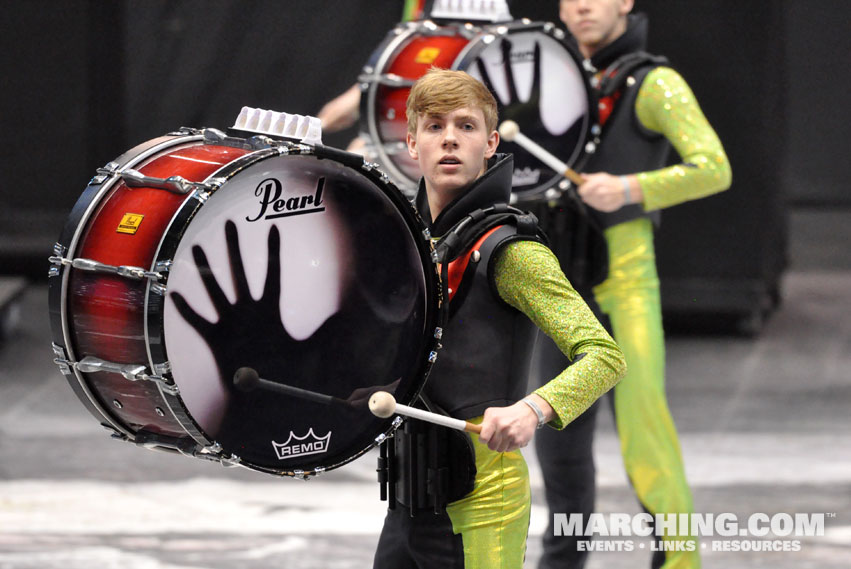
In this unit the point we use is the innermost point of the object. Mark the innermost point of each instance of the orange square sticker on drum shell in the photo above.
(130, 223)
(427, 55)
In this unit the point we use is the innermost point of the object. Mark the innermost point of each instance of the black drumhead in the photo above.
(316, 276)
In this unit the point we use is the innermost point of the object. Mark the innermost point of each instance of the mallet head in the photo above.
(382, 404)
(508, 130)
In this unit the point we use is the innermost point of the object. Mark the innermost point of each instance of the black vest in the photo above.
(486, 344)
(626, 147)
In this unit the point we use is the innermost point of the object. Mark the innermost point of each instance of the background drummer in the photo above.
(516, 286)
(343, 111)
(628, 182)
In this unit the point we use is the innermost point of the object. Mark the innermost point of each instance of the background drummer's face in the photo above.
(594, 23)
(452, 149)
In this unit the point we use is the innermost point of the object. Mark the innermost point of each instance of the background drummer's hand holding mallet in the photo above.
(601, 191)
(503, 429)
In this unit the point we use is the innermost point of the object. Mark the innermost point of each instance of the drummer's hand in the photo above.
(342, 111)
(505, 429)
(605, 192)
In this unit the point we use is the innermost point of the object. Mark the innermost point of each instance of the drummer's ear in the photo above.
(493, 142)
(412, 146)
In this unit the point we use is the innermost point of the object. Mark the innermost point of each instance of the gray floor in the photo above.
(764, 428)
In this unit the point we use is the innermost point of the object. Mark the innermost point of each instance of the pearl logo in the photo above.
(273, 206)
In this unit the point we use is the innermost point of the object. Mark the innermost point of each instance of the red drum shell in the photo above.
(383, 330)
(107, 311)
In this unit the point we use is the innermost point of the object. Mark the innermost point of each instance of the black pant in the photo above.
(567, 466)
(425, 541)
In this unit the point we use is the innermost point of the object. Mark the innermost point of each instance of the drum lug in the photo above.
(300, 475)
(156, 441)
(91, 364)
(96, 266)
(214, 136)
(131, 372)
(438, 333)
(388, 79)
(319, 470)
(432, 357)
(174, 184)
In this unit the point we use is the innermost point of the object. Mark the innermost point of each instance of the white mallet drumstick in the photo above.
(510, 131)
(382, 404)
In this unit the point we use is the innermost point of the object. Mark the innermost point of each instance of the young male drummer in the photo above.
(513, 283)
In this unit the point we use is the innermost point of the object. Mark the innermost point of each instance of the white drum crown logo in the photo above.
(301, 446)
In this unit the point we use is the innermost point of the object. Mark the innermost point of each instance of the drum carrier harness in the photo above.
(425, 466)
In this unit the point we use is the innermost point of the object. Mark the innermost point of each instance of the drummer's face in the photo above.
(452, 150)
(594, 23)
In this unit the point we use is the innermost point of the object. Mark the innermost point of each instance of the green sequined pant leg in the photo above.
(493, 519)
(648, 437)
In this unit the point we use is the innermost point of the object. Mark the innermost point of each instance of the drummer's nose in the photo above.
(450, 138)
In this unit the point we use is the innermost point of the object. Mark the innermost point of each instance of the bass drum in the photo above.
(195, 255)
(537, 79)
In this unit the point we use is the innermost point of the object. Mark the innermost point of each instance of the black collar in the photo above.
(633, 39)
(492, 187)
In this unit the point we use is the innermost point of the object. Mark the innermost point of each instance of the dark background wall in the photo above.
(86, 80)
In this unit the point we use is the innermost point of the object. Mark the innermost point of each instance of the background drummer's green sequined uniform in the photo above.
(494, 518)
(630, 296)
(663, 112)
(666, 105)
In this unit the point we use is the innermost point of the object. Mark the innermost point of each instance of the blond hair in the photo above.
(441, 91)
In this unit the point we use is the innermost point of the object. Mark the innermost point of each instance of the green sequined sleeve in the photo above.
(528, 277)
(667, 105)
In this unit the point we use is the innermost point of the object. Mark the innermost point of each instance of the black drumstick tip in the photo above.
(246, 379)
